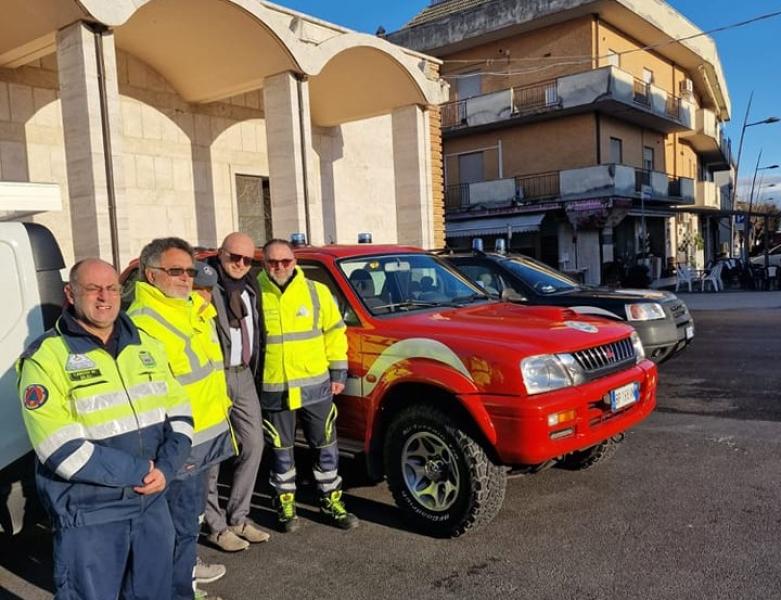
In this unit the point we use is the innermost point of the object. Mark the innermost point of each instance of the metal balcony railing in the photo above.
(531, 98)
(453, 113)
(642, 92)
(674, 187)
(673, 107)
(538, 186)
(457, 197)
(642, 177)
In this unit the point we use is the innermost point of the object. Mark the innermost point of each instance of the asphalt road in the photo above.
(687, 509)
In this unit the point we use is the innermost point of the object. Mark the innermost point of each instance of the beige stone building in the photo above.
(579, 129)
(144, 118)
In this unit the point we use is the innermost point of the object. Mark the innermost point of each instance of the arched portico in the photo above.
(307, 73)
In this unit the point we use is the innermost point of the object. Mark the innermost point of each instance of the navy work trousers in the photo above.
(128, 559)
(186, 501)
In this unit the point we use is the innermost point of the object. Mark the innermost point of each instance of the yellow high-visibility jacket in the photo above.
(306, 343)
(96, 422)
(187, 330)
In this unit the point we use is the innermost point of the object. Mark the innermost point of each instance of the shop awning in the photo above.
(494, 225)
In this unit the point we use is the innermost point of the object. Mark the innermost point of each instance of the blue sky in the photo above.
(751, 57)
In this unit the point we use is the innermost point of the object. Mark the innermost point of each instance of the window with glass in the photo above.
(540, 277)
(405, 282)
(616, 151)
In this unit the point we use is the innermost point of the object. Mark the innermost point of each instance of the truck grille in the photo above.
(601, 360)
(678, 310)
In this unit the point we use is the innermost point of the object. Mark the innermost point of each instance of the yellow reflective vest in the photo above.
(306, 343)
(96, 421)
(187, 329)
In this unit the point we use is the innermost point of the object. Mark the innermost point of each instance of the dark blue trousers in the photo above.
(186, 501)
(128, 559)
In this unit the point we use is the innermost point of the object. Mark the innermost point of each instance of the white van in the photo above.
(32, 297)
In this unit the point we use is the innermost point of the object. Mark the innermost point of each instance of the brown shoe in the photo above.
(228, 541)
(250, 532)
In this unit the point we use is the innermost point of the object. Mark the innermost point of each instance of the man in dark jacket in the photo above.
(242, 334)
(110, 427)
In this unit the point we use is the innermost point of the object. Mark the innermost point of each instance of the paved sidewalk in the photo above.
(730, 299)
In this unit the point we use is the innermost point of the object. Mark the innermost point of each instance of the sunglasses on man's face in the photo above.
(245, 260)
(176, 271)
(282, 262)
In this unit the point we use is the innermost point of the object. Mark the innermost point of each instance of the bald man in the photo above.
(110, 427)
(242, 338)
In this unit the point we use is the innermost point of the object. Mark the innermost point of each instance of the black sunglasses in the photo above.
(245, 260)
(177, 271)
(284, 262)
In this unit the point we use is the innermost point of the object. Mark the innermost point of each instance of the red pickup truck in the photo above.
(450, 390)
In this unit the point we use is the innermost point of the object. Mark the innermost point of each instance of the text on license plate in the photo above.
(623, 396)
(689, 332)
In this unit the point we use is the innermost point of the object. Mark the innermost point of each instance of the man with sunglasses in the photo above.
(166, 309)
(304, 367)
(242, 335)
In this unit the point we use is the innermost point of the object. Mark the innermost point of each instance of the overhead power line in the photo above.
(582, 58)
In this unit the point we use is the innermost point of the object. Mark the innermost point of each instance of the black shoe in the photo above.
(285, 504)
(334, 512)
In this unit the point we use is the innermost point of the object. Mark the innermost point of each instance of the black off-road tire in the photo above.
(479, 495)
(589, 458)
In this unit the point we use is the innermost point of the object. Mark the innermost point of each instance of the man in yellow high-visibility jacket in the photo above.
(110, 427)
(165, 306)
(305, 365)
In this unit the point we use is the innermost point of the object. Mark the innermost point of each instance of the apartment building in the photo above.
(582, 131)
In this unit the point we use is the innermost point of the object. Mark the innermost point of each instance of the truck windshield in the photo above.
(539, 276)
(404, 282)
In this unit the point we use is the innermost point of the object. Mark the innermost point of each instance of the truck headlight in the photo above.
(544, 373)
(638, 346)
(645, 311)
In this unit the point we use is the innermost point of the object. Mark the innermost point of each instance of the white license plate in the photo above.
(689, 332)
(623, 396)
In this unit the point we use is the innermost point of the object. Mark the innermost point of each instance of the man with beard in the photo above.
(242, 335)
(165, 307)
(305, 366)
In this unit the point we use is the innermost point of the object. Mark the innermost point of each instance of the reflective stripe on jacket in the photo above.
(306, 342)
(95, 422)
(187, 330)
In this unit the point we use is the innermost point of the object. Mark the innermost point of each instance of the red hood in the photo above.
(524, 329)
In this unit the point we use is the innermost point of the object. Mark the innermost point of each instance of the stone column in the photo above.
(414, 188)
(289, 143)
(85, 145)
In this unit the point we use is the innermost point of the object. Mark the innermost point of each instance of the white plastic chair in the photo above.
(714, 276)
(684, 275)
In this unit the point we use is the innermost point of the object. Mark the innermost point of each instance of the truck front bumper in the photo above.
(524, 436)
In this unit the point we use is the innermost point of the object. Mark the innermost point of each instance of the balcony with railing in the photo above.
(709, 195)
(624, 181)
(509, 190)
(599, 181)
(608, 89)
(708, 140)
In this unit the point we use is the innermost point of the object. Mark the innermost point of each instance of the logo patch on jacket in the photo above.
(302, 311)
(147, 359)
(35, 396)
(79, 362)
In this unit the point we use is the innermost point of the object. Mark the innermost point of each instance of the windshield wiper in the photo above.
(464, 300)
(406, 304)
